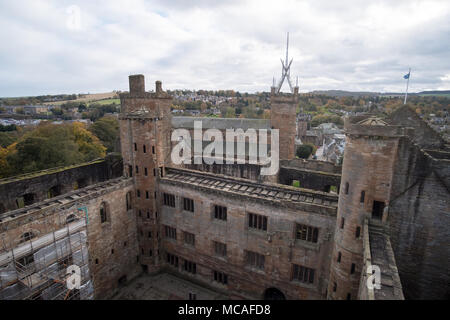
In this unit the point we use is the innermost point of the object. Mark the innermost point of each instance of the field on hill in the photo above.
(89, 98)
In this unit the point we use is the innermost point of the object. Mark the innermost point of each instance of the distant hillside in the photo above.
(343, 93)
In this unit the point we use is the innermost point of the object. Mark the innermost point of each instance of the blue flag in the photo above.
(406, 76)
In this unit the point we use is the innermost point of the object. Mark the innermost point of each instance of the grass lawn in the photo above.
(106, 101)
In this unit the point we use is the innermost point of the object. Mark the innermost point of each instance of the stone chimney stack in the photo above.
(158, 85)
(137, 84)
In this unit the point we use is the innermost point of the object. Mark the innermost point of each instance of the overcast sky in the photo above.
(50, 47)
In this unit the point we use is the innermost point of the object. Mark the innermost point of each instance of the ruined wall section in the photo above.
(35, 186)
(311, 174)
(419, 220)
(423, 134)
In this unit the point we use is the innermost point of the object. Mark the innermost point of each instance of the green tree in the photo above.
(304, 151)
(107, 130)
(51, 145)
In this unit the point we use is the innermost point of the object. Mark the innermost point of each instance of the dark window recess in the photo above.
(144, 148)
(138, 193)
(148, 214)
(161, 172)
(145, 171)
(303, 274)
(103, 215)
(189, 238)
(96, 261)
(154, 172)
(142, 250)
(257, 221)
(150, 253)
(377, 211)
(140, 213)
(27, 236)
(172, 259)
(220, 212)
(24, 261)
(306, 233)
(169, 200)
(190, 266)
(192, 296)
(363, 196)
(71, 218)
(342, 223)
(170, 232)
(147, 195)
(153, 149)
(112, 251)
(128, 200)
(358, 232)
(352, 269)
(137, 170)
(347, 186)
(188, 204)
(339, 257)
(334, 287)
(220, 277)
(220, 249)
(135, 146)
(349, 296)
(254, 260)
(149, 234)
(130, 170)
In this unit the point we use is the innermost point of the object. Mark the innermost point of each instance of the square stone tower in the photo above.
(145, 129)
(283, 117)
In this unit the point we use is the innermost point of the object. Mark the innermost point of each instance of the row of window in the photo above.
(252, 259)
(255, 221)
(144, 148)
(191, 267)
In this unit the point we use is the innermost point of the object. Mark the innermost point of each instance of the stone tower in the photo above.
(283, 112)
(367, 172)
(145, 122)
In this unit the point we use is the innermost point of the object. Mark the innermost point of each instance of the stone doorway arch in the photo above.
(273, 294)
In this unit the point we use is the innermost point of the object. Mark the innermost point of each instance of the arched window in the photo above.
(346, 187)
(103, 213)
(363, 195)
(27, 236)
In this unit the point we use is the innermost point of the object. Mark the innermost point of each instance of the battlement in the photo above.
(137, 89)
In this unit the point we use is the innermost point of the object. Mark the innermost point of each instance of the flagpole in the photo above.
(407, 85)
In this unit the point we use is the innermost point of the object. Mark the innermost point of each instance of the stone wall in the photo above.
(37, 185)
(112, 245)
(419, 220)
(278, 244)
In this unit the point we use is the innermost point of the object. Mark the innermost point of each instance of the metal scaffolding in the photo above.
(37, 268)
